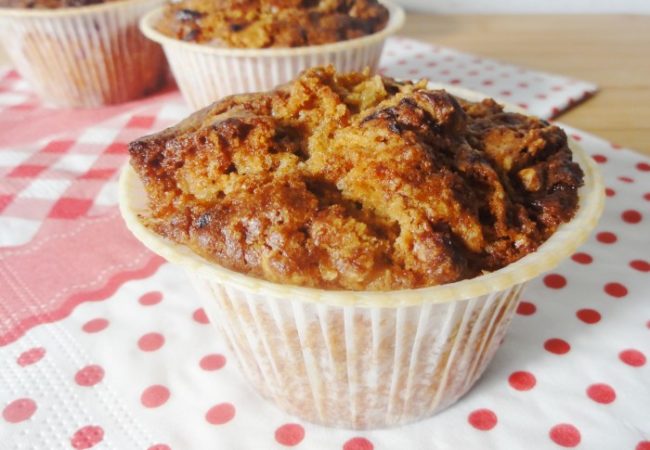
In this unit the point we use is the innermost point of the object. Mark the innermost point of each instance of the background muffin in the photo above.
(224, 47)
(272, 23)
(82, 53)
(50, 4)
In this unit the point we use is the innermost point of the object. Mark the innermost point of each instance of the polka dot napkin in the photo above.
(144, 370)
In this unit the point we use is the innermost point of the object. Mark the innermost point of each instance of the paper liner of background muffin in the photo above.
(366, 359)
(205, 73)
(85, 56)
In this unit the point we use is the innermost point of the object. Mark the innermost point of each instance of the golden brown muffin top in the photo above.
(351, 181)
(271, 23)
(50, 4)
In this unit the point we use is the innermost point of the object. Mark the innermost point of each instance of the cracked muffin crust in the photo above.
(352, 181)
(271, 23)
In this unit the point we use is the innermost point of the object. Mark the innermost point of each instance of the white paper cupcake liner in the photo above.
(84, 56)
(356, 367)
(207, 73)
(366, 359)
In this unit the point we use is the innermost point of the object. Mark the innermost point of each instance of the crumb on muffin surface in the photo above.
(271, 23)
(352, 181)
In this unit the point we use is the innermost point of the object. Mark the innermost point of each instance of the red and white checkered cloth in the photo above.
(109, 374)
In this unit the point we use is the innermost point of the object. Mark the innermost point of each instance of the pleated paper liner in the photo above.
(366, 359)
(205, 73)
(86, 56)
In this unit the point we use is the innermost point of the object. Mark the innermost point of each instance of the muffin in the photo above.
(224, 47)
(360, 242)
(272, 23)
(82, 53)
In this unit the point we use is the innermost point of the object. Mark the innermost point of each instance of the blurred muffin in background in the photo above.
(82, 53)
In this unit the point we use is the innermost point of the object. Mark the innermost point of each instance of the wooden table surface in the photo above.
(612, 51)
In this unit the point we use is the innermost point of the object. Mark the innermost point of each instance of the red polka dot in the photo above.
(220, 414)
(358, 443)
(615, 290)
(89, 375)
(589, 316)
(626, 179)
(522, 85)
(526, 308)
(615, 146)
(582, 258)
(151, 342)
(30, 356)
(601, 393)
(482, 419)
(610, 192)
(455, 81)
(19, 410)
(631, 216)
(200, 316)
(557, 346)
(646, 196)
(643, 445)
(488, 83)
(505, 93)
(554, 281)
(522, 381)
(632, 357)
(154, 396)
(212, 362)
(150, 298)
(576, 137)
(565, 435)
(640, 265)
(87, 437)
(523, 105)
(606, 237)
(95, 325)
(160, 447)
(643, 166)
(290, 434)
(600, 159)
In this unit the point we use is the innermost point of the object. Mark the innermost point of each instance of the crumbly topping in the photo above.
(272, 23)
(352, 181)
